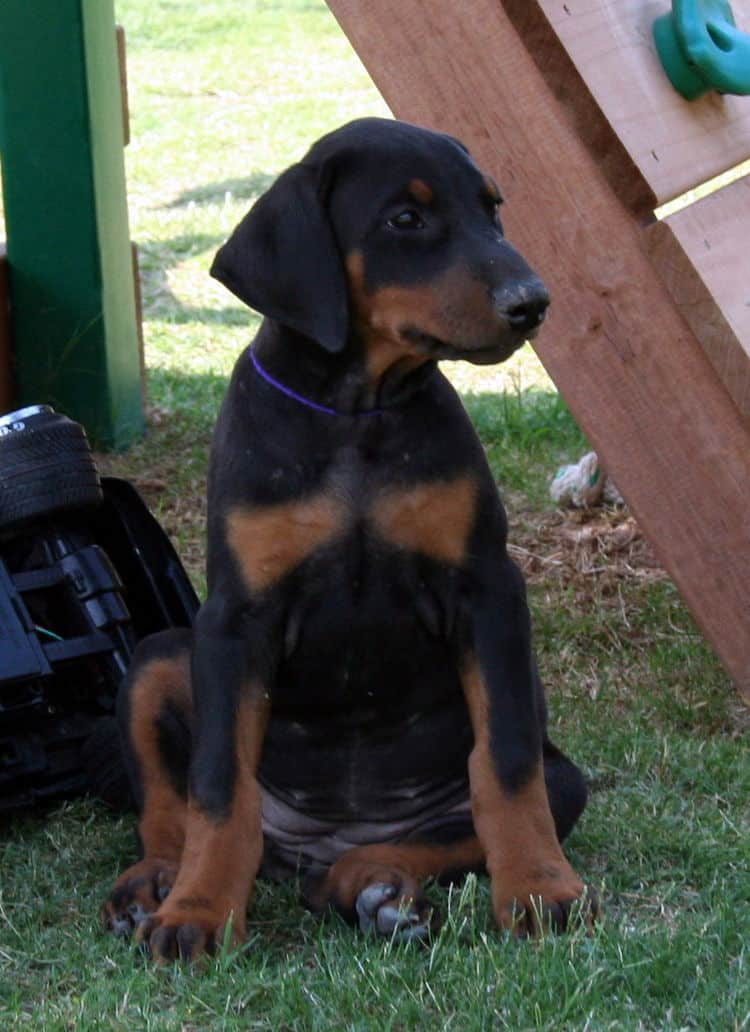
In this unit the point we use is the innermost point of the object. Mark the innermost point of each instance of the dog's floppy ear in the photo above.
(283, 261)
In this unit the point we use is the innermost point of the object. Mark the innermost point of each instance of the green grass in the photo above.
(223, 95)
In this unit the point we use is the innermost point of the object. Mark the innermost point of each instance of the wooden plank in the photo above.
(618, 349)
(577, 104)
(6, 366)
(675, 144)
(701, 253)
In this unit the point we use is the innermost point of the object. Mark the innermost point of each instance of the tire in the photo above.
(46, 467)
(104, 764)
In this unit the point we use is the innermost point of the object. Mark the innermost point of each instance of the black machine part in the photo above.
(79, 587)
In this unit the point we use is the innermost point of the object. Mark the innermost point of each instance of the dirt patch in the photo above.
(587, 549)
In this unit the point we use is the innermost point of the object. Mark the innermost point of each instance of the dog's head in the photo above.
(386, 237)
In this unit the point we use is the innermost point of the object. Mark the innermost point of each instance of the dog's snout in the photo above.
(523, 305)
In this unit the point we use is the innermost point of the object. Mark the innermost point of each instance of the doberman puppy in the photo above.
(358, 699)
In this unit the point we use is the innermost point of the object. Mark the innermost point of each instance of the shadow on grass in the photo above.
(526, 435)
(244, 188)
(525, 419)
(157, 257)
(180, 314)
(192, 400)
(533, 422)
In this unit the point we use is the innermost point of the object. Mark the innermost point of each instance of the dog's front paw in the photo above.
(137, 894)
(547, 898)
(188, 928)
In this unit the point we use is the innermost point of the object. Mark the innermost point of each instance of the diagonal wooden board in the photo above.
(702, 256)
(620, 352)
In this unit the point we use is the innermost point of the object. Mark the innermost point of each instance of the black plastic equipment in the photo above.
(85, 572)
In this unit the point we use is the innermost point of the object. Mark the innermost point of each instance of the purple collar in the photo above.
(264, 375)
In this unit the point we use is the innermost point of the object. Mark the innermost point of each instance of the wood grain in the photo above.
(702, 255)
(676, 144)
(622, 355)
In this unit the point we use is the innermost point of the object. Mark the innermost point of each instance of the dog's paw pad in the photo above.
(136, 896)
(119, 926)
(163, 888)
(137, 914)
(381, 913)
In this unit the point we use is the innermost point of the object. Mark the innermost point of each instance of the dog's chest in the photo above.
(358, 516)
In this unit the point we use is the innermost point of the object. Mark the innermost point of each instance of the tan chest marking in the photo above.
(435, 519)
(271, 541)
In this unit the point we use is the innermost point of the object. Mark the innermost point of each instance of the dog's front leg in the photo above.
(224, 841)
(533, 885)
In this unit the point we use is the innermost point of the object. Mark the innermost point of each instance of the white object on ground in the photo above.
(584, 484)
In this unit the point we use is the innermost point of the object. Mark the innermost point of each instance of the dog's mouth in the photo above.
(485, 354)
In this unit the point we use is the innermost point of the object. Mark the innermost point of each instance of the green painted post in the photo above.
(74, 326)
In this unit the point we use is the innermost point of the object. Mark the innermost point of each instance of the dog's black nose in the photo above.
(523, 305)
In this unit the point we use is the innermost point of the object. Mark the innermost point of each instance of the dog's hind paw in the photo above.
(381, 912)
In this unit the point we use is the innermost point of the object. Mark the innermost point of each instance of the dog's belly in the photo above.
(367, 766)
(295, 841)
(368, 718)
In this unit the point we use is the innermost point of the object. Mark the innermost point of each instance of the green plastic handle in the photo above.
(702, 49)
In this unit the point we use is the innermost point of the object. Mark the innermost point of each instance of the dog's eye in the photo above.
(408, 219)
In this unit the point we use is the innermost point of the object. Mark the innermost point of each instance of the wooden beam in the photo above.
(701, 254)
(620, 352)
(676, 144)
(577, 104)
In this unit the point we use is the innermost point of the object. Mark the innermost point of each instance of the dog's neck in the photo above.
(337, 383)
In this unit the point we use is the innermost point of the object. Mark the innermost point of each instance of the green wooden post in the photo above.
(75, 336)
